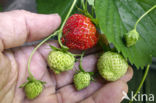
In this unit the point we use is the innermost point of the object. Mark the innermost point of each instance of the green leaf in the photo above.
(54, 6)
(117, 17)
(91, 2)
(0, 7)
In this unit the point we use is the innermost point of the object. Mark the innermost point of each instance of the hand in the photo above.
(18, 27)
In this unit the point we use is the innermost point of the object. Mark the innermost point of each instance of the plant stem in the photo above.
(80, 66)
(83, 6)
(85, 11)
(61, 28)
(142, 82)
(144, 15)
(30, 58)
(69, 12)
(86, 5)
(93, 11)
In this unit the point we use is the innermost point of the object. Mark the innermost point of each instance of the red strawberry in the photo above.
(79, 33)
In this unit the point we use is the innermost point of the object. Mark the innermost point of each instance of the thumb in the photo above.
(110, 93)
(20, 26)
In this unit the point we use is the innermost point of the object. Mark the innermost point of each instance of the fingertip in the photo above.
(111, 92)
(41, 25)
(123, 85)
(128, 76)
(57, 16)
(56, 20)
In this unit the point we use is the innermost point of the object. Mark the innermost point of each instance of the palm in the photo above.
(57, 87)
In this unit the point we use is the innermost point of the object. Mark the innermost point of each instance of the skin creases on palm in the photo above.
(57, 87)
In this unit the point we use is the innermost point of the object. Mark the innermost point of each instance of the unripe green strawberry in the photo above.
(59, 61)
(33, 89)
(112, 66)
(131, 37)
(82, 80)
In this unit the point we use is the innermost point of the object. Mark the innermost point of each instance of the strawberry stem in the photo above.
(86, 5)
(80, 66)
(144, 16)
(35, 49)
(83, 5)
(61, 28)
(85, 11)
(142, 82)
(69, 12)
(93, 10)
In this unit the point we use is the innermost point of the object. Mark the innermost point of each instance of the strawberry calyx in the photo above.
(86, 13)
(30, 79)
(63, 50)
(84, 10)
(131, 38)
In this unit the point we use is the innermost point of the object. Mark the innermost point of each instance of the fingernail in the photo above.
(58, 18)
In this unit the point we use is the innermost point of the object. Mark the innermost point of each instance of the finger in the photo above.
(45, 97)
(8, 75)
(4, 62)
(110, 93)
(20, 26)
(128, 76)
(69, 94)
